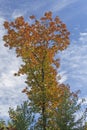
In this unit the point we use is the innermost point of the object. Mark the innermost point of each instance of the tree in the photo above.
(37, 43)
(2, 124)
(65, 114)
(5, 126)
(21, 118)
(85, 126)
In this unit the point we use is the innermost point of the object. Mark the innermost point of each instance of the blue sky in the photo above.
(73, 60)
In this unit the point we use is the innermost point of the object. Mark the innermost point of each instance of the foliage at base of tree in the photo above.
(63, 117)
(22, 118)
(65, 113)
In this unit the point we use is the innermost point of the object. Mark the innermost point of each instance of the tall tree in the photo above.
(37, 43)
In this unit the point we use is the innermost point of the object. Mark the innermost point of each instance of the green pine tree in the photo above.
(22, 117)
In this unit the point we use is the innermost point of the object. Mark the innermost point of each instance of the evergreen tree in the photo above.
(66, 112)
(21, 118)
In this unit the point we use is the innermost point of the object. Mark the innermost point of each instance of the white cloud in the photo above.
(60, 5)
(83, 37)
(10, 86)
(18, 13)
(74, 62)
(29, 7)
(83, 34)
(61, 77)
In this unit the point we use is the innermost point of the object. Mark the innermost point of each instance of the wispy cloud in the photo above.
(61, 77)
(27, 7)
(74, 62)
(17, 13)
(10, 86)
(83, 37)
(60, 5)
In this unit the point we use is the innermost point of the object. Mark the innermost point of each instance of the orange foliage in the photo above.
(37, 43)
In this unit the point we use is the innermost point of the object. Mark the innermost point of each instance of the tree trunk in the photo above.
(43, 117)
(43, 104)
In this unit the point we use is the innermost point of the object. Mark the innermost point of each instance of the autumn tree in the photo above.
(37, 43)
